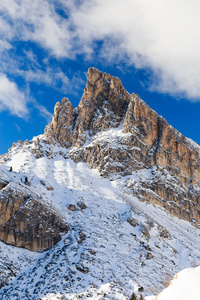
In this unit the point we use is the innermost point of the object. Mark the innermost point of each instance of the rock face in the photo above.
(123, 135)
(26, 221)
(102, 106)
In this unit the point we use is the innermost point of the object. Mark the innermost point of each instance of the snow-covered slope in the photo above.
(184, 286)
(115, 246)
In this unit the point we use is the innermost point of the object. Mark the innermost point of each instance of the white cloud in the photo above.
(39, 76)
(54, 78)
(18, 102)
(42, 111)
(18, 128)
(11, 98)
(38, 21)
(158, 34)
(161, 35)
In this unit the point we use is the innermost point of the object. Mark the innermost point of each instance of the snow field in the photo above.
(103, 256)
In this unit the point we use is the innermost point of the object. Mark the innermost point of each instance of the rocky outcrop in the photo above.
(102, 106)
(61, 128)
(164, 146)
(144, 141)
(28, 222)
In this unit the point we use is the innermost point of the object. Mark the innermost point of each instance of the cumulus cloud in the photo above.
(11, 98)
(160, 35)
(18, 102)
(37, 21)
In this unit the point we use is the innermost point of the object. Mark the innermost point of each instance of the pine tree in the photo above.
(133, 297)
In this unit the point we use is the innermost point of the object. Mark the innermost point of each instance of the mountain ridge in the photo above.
(123, 184)
(149, 141)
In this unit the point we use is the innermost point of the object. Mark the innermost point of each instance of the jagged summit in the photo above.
(102, 106)
(120, 135)
(82, 189)
(142, 140)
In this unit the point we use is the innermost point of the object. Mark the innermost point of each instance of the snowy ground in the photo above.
(184, 286)
(103, 256)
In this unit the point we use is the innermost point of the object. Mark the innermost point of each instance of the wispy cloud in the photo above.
(162, 36)
(42, 110)
(37, 21)
(11, 98)
(17, 126)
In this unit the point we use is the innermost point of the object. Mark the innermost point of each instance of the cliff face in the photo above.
(121, 136)
(142, 140)
(109, 240)
(102, 106)
(26, 221)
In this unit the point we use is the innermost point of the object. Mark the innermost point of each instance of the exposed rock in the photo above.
(92, 252)
(10, 202)
(146, 141)
(81, 238)
(164, 232)
(42, 182)
(149, 255)
(28, 222)
(144, 230)
(132, 222)
(147, 247)
(72, 207)
(163, 146)
(60, 129)
(82, 268)
(3, 184)
(49, 188)
(102, 106)
(81, 205)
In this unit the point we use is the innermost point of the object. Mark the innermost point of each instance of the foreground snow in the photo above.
(103, 256)
(184, 286)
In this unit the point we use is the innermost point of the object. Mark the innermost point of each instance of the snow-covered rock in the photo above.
(118, 134)
(122, 180)
(104, 255)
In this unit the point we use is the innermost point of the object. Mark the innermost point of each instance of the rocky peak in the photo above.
(102, 106)
(60, 127)
(141, 121)
(145, 142)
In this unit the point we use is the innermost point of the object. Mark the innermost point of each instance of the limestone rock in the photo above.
(3, 184)
(80, 267)
(60, 129)
(72, 207)
(102, 106)
(149, 255)
(163, 146)
(28, 222)
(81, 205)
(132, 222)
(145, 142)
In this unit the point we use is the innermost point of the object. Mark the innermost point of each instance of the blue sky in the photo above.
(46, 48)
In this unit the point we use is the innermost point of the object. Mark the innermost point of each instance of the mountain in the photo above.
(144, 141)
(103, 204)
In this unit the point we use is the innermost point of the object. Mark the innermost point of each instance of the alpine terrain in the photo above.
(104, 204)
